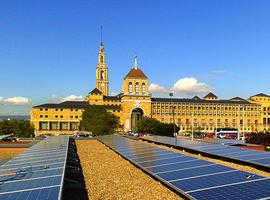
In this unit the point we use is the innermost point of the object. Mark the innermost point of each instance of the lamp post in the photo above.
(216, 118)
(238, 122)
(192, 121)
(171, 95)
(243, 127)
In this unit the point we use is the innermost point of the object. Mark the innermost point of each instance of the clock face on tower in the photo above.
(102, 84)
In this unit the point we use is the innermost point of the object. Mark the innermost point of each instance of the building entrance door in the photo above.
(136, 116)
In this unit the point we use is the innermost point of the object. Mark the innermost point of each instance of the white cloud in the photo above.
(190, 85)
(155, 88)
(58, 99)
(55, 99)
(16, 101)
(113, 94)
(73, 98)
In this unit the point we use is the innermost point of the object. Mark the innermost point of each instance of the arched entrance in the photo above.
(136, 115)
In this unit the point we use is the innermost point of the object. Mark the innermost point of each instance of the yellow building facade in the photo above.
(206, 114)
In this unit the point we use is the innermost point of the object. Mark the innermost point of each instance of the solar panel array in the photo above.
(260, 158)
(37, 173)
(192, 177)
(2, 161)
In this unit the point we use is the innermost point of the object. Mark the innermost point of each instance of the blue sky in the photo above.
(49, 48)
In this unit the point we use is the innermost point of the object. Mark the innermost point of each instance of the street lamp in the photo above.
(192, 121)
(171, 95)
(238, 123)
(243, 122)
(243, 128)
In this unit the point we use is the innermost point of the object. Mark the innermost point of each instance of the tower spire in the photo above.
(101, 29)
(136, 62)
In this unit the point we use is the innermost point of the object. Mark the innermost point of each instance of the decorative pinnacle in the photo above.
(101, 29)
(136, 62)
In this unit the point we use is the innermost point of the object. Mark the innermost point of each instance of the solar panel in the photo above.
(192, 177)
(3, 161)
(259, 158)
(37, 173)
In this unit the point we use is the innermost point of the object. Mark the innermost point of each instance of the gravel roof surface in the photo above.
(9, 154)
(109, 176)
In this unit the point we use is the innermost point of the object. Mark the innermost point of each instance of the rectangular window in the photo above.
(54, 125)
(137, 88)
(41, 116)
(43, 126)
(143, 89)
(64, 125)
(74, 126)
(130, 88)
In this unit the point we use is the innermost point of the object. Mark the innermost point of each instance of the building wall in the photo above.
(264, 102)
(51, 116)
(129, 103)
(133, 81)
(207, 116)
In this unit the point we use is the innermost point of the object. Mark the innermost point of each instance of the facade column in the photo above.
(68, 128)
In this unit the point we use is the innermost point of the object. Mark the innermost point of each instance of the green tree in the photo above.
(148, 125)
(151, 125)
(19, 128)
(98, 121)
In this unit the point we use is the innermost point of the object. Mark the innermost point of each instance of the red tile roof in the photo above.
(136, 73)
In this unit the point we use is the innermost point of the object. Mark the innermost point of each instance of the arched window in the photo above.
(102, 75)
(101, 59)
(137, 88)
(130, 88)
(143, 89)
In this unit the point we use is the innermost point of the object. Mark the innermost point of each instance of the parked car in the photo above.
(43, 136)
(84, 135)
(144, 134)
(9, 139)
(132, 133)
(221, 136)
(230, 136)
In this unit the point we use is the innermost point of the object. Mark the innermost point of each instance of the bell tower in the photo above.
(102, 82)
